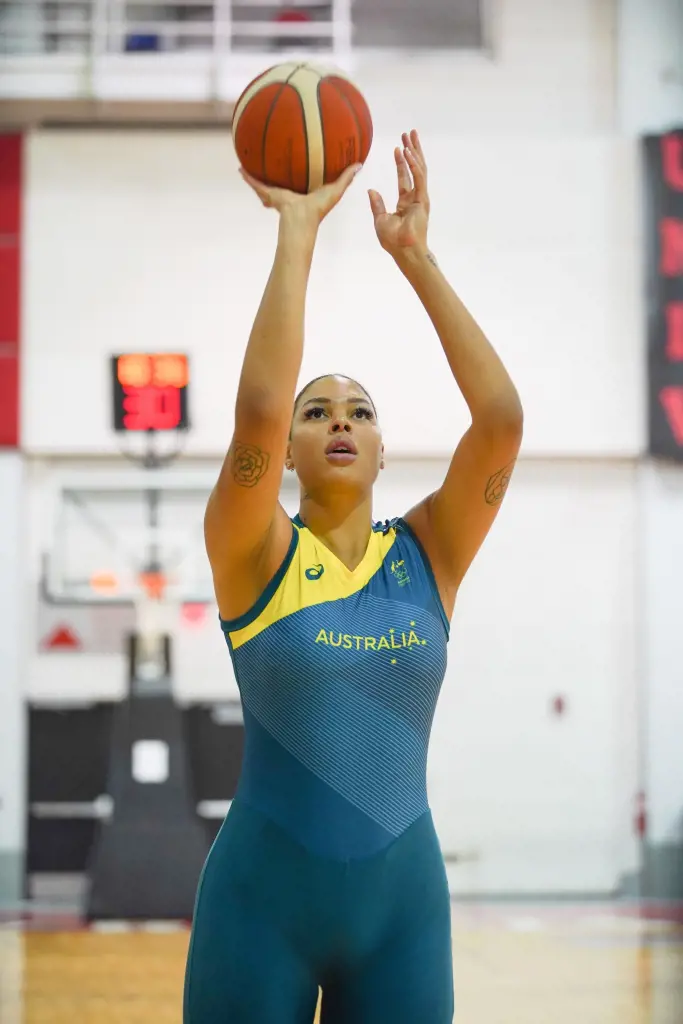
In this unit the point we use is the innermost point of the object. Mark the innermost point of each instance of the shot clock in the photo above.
(150, 391)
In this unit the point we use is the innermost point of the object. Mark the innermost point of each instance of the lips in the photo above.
(341, 451)
(341, 446)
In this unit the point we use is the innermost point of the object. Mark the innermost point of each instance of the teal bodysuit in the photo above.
(327, 871)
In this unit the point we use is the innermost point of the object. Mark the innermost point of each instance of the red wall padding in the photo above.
(10, 286)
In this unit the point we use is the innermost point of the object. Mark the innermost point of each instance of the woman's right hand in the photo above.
(308, 209)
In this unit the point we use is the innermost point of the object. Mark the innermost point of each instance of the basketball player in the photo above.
(327, 871)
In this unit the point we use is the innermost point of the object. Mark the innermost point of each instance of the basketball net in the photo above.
(154, 622)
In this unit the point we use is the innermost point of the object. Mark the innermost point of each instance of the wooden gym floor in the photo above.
(514, 965)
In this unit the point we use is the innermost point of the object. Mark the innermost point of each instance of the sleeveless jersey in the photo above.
(339, 673)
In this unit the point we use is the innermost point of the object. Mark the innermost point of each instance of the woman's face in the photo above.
(336, 442)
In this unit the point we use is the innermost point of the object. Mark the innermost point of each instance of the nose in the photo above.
(340, 424)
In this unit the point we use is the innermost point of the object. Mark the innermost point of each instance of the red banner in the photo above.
(664, 205)
(10, 286)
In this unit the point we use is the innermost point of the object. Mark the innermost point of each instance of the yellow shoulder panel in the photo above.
(328, 579)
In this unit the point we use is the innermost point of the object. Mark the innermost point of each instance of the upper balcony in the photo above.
(85, 59)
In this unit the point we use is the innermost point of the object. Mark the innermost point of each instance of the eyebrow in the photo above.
(355, 399)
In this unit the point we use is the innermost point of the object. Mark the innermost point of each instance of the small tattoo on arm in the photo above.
(431, 259)
(497, 485)
(249, 464)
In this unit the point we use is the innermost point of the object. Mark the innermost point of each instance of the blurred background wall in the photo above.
(563, 700)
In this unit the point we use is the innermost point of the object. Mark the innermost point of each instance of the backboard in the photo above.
(109, 526)
(91, 525)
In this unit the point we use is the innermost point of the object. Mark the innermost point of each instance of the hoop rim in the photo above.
(154, 584)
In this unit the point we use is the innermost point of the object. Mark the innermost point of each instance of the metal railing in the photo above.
(183, 49)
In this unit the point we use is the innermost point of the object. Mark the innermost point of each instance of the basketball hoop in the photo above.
(153, 584)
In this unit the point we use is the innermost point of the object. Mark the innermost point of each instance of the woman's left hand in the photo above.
(405, 231)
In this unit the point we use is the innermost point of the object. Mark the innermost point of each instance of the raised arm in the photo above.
(453, 521)
(246, 530)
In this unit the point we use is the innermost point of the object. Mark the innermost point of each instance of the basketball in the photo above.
(298, 126)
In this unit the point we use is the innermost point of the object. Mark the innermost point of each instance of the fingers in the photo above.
(331, 193)
(405, 182)
(412, 152)
(322, 200)
(376, 203)
(261, 190)
(327, 197)
(417, 146)
(345, 178)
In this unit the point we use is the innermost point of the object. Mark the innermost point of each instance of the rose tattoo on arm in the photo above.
(249, 464)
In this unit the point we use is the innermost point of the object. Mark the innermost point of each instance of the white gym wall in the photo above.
(149, 241)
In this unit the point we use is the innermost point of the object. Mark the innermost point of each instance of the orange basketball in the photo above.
(299, 126)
